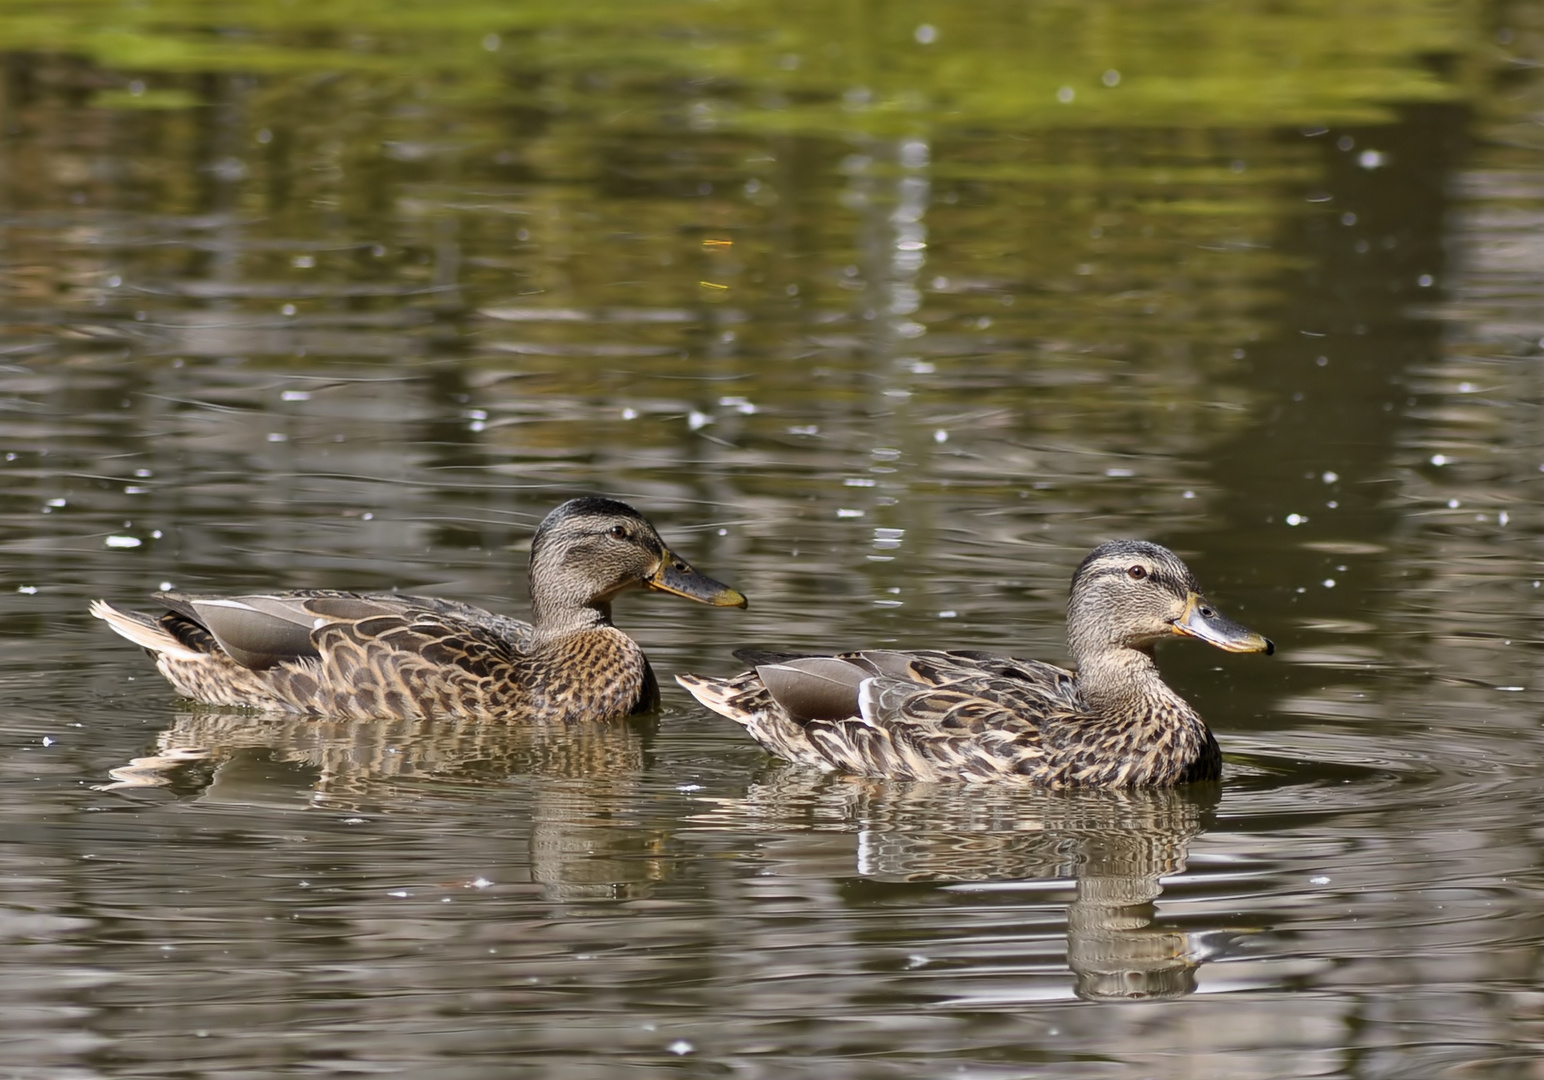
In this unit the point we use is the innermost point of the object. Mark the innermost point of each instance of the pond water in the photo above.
(885, 318)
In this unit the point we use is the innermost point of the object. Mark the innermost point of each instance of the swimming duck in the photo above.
(388, 655)
(935, 715)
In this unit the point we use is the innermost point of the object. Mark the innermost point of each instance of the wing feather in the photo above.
(919, 715)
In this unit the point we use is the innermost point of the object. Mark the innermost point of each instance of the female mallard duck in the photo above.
(973, 716)
(386, 655)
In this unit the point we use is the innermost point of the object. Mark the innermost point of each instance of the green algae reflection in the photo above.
(807, 66)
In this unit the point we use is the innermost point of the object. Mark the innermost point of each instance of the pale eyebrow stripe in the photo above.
(1160, 574)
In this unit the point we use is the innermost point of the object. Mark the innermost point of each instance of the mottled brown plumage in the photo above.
(388, 655)
(972, 716)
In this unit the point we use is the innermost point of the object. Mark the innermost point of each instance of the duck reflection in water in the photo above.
(1115, 847)
(567, 782)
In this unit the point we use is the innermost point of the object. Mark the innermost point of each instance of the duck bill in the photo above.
(1205, 623)
(676, 577)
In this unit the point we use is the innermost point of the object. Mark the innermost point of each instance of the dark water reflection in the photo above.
(1111, 847)
(887, 343)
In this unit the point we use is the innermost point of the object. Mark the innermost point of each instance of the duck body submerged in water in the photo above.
(936, 715)
(388, 655)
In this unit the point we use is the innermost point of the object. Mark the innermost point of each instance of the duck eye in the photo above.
(1137, 573)
(619, 532)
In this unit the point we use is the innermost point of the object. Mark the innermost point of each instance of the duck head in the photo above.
(1132, 594)
(590, 550)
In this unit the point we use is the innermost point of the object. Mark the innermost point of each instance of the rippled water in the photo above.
(886, 338)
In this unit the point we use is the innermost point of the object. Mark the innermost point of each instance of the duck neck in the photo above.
(554, 615)
(1125, 682)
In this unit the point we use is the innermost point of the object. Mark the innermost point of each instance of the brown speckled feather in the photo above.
(416, 662)
(933, 715)
(364, 655)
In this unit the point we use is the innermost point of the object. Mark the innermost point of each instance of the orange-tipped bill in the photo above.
(1202, 621)
(675, 576)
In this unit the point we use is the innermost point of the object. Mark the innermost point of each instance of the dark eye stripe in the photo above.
(1108, 571)
(1158, 575)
